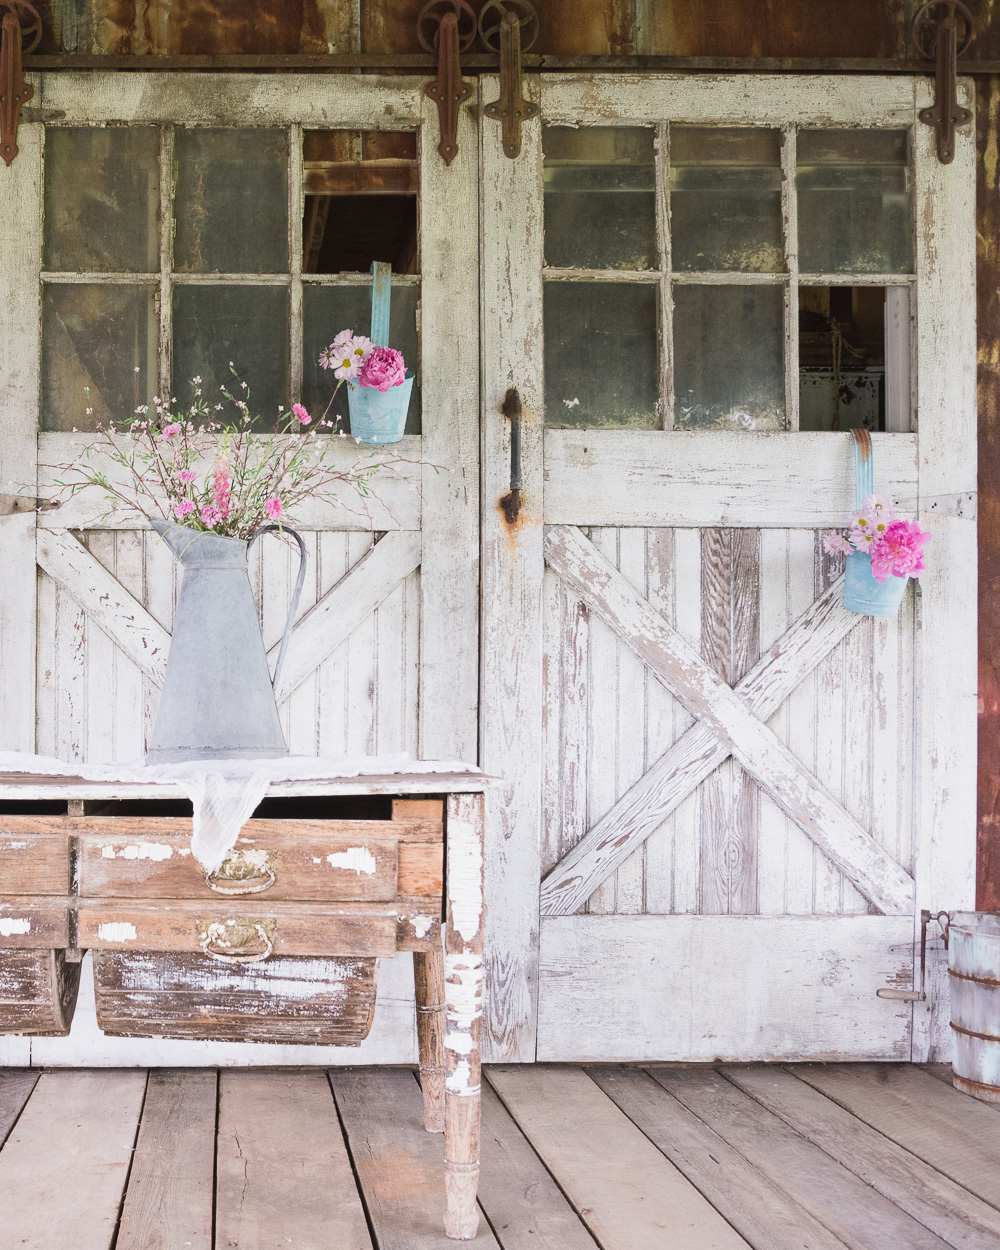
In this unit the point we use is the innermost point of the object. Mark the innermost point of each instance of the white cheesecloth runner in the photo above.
(224, 793)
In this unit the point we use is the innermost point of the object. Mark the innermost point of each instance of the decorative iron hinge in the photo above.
(440, 29)
(14, 91)
(942, 30)
(509, 27)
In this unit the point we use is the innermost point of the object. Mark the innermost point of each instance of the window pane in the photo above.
(230, 201)
(94, 337)
(600, 355)
(600, 205)
(725, 199)
(842, 357)
(102, 199)
(247, 325)
(855, 205)
(328, 309)
(728, 367)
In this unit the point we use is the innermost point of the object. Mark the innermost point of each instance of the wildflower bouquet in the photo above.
(894, 545)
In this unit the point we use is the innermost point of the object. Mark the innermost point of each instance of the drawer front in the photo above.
(34, 855)
(301, 860)
(34, 922)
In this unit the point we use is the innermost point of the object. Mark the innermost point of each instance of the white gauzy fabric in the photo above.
(224, 793)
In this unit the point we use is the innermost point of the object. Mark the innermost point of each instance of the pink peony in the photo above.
(385, 367)
(274, 508)
(835, 544)
(182, 509)
(301, 413)
(210, 516)
(900, 551)
(170, 430)
(186, 475)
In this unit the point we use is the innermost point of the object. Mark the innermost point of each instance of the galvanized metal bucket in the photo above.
(974, 968)
(218, 695)
(380, 416)
(862, 593)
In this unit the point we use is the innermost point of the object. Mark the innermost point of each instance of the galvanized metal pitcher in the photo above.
(218, 695)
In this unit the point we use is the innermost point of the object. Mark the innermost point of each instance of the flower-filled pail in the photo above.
(379, 416)
(862, 593)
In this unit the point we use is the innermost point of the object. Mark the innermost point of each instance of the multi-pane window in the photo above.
(231, 255)
(708, 277)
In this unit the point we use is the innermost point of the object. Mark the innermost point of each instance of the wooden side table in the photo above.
(76, 875)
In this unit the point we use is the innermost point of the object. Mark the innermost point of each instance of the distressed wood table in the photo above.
(91, 865)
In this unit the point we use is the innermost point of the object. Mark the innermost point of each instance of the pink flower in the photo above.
(301, 413)
(170, 430)
(186, 475)
(221, 483)
(900, 551)
(182, 509)
(342, 340)
(385, 367)
(834, 544)
(274, 508)
(864, 536)
(210, 516)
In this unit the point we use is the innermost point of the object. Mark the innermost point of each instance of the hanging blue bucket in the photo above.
(862, 593)
(379, 416)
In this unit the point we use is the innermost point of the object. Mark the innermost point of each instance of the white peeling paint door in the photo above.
(735, 795)
(384, 658)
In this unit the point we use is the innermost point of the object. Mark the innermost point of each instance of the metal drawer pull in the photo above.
(246, 872)
(233, 936)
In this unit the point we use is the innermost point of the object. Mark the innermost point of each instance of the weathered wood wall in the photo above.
(703, 28)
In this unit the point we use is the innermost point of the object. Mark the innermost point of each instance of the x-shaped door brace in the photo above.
(730, 721)
(318, 633)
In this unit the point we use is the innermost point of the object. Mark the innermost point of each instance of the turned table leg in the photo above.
(428, 982)
(463, 974)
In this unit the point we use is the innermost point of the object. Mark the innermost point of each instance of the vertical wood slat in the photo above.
(602, 727)
(730, 643)
(828, 747)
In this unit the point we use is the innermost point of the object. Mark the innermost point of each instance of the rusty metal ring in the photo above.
(431, 15)
(925, 24)
(33, 27)
(527, 19)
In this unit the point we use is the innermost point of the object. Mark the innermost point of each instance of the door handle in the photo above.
(511, 408)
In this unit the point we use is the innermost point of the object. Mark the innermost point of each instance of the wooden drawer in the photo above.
(34, 855)
(38, 990)
(33, 922)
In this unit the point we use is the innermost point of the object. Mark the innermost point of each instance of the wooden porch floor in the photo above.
(809, 1157)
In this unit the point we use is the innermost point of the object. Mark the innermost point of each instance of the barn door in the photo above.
(169, 227)
(732, 796)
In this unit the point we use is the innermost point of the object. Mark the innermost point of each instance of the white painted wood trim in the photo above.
(706, 697)
(700, 478)
(693, 757)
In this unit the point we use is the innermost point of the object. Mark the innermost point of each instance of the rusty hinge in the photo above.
(509, 27)
(447, 27)
(942, 31)
(14, 91)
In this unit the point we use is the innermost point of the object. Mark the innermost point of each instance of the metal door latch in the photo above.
(509, 27)
(941, 919)
(511, 503)
(440, 29)
(941, 31)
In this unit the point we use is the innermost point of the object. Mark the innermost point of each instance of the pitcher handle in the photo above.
(296, 593)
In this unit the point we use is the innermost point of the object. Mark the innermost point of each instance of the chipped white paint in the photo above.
(116, 931)
(16, 846)
(10, 927)
(421, 925)
(465, 877)
(463, 990)
(460, 1043)
(156, 851)
(457, 1082)
(357, 859)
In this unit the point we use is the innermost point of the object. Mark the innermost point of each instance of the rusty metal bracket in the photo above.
(941, 31)
(440, 29)
(14, 91)
(509, 27)
(920, 996)
(511, 408)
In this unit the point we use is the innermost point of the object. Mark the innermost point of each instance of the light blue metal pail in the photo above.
(862, 593)
(974, 967)
(379, 416)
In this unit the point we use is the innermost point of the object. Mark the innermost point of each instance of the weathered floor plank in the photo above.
(284, 1179)
(631, 1197)
(950, 1130)
(169, 1199)
(956, 1215)
(523, 1203)
(400, 1165)
(839, 1200)
(63, 1168)
(16, 1085)
(754, 1205)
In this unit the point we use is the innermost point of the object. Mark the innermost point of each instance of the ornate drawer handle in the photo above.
(245, 872)
(233, 936)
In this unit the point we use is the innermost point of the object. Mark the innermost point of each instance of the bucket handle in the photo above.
(296, 593)
(864, 467)
(381, 297)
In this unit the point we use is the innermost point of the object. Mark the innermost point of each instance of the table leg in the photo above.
(428, 982)
(463, 972)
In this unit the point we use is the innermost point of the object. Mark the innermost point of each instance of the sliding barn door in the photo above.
(222, 228)
(730, 796)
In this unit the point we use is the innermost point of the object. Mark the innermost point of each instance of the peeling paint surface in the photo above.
(156, 851)
(465, 878)
(421, 925)
(357, 859)
(116, 931)
(8, 928)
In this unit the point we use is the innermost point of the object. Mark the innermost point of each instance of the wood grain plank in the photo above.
(169, 1199)
(284, 1175)
(16, 1085)
(832, 1194)
(754, 1205)
(948, 1210)
(63, 1169)
(630, 1196)
(952, 1132)
(400, 1166)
